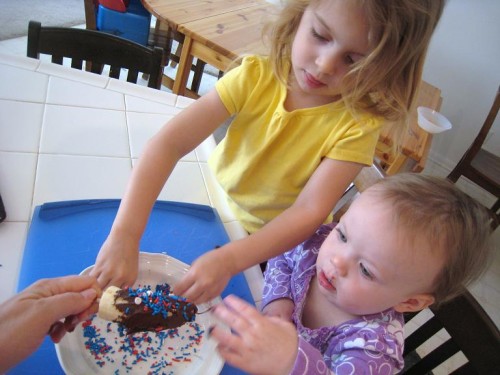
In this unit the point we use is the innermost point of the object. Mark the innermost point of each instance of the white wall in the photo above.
(464, 62)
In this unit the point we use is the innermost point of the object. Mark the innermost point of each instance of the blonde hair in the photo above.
(384, 83)
(435, 211)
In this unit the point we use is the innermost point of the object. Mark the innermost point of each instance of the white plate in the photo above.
(176, 354)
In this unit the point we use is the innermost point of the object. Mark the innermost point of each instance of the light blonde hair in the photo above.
(384, 83)
(433, 211)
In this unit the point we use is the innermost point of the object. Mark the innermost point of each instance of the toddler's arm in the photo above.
(256, 344)
(280, 308)
(116, 263)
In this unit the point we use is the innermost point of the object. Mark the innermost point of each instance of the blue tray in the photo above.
(65, 237)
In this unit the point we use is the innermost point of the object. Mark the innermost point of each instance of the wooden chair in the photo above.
(472, 332)
(3, 214)
(159, 36)
(483, 167)
(99, 48)
(365, 178)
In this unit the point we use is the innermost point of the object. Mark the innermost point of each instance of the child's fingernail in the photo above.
(210, 330)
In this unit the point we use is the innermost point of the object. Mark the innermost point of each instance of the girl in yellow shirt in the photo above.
(306, 120)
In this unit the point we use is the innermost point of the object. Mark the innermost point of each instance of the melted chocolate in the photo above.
(146, 310)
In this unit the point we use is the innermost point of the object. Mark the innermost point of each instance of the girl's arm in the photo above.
(210, 273)
(117, 261)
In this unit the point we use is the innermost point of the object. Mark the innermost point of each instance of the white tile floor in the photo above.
(487, 290)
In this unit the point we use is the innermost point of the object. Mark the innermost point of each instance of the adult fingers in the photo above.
(70, 303)
(55, 286)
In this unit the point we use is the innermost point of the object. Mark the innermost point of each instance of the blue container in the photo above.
(134, 24)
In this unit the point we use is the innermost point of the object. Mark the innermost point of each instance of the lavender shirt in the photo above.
(371, 344)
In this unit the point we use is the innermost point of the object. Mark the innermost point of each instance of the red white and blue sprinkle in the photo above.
(110, 347)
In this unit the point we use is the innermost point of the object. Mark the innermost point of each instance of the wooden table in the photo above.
(219, 40)
(216, 32)
(177, 12)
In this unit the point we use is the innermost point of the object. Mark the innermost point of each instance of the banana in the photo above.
(107, 309)
(144, 309)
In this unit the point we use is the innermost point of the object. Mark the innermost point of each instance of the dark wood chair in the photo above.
(159, 36)
(471, 331)
(483, 167)
(96, 47)
(3, 214)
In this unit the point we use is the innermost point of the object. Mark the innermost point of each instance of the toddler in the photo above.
(407, 242)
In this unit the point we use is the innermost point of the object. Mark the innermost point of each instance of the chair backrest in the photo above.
(99, 49)
(485, 129)
(471, 331)
(481, 166)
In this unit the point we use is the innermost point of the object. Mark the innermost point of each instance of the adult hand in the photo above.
(255, 343)
(207, 277)
(28, 317)
(281, 308)
(117, 262)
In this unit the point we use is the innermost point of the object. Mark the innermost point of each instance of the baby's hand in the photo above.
(206, 279)
(281, 308)
(117, 263)
(255, 343)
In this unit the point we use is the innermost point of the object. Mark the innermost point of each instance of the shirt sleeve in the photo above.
(359, 142)
(237, 85)
(309, 360)
(277, 279)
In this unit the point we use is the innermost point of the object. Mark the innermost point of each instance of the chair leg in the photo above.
(198, 74)
(177, 53)
(162, 37)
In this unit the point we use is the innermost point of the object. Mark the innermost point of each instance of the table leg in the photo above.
(184, 67)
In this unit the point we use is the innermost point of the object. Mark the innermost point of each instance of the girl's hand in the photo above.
(255, 343)
(117, 262)
(281, 308)
(207, 277)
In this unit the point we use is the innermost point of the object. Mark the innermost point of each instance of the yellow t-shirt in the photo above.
(269, 154)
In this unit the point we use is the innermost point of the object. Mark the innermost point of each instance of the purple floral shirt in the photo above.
(371, 344)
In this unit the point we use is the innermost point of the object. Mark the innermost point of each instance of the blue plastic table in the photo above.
(65, 237)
